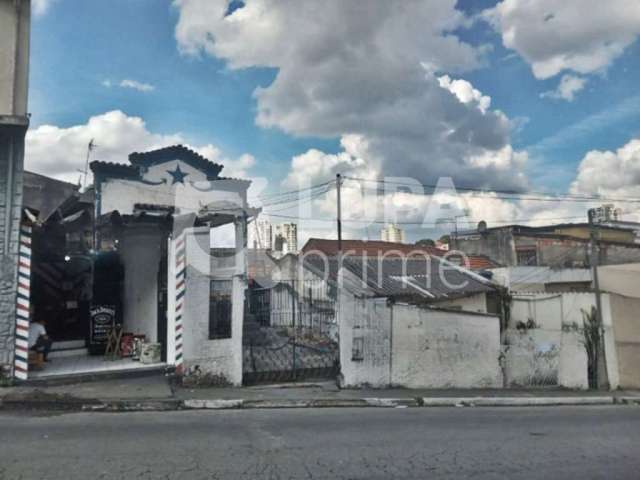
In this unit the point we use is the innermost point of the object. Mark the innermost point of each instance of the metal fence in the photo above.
(290, 333)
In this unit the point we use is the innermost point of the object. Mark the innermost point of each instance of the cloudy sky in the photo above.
(535, 96)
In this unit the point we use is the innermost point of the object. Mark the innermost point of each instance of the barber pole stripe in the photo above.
(181, 288)
(23, 302)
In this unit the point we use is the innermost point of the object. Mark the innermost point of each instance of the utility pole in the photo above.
(339, 225)
(595, 261)
(90, 148)
(339, 219)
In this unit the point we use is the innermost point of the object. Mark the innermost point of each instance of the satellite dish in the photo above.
(482, 226)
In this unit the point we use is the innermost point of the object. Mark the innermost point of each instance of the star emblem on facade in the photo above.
(177, 175)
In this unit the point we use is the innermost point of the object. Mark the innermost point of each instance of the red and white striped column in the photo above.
(23, 302)
(181, 275)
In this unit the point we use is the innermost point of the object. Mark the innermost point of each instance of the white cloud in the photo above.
(615, 174)
(135, 85)
(357, 70)
(60, 152)
(40, 7)
(238, 167)
(583, 36)
(131, 84)
(567, 88)
(465, 92)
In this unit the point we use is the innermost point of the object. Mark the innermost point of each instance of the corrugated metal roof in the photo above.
(433, 279)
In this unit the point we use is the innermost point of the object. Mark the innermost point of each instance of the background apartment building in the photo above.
(392, 233)
(286, 238)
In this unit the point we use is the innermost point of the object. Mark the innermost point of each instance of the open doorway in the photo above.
(86, 298)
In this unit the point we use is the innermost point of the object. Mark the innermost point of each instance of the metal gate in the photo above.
(290, 333)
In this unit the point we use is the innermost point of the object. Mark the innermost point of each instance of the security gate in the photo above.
(290, 333)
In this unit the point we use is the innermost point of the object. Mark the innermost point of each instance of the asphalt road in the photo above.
(422, 443)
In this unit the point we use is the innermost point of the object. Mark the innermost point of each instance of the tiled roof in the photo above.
(376, 248)
(371, 248)
(141, 160)
(117, 169)
(176, 152)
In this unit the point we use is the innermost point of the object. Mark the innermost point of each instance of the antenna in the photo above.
(92, 146)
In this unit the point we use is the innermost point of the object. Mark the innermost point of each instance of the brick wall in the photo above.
(8, 256)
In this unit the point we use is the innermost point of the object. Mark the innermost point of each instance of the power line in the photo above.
(382, 222)
(510, 194)
(290, 192)
(305, 201)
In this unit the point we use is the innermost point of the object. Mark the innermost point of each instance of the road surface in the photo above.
(420, 443)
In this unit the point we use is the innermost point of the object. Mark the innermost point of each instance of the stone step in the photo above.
(69, 352)
(68, 344)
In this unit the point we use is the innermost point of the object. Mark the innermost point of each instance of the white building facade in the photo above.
(392, 233)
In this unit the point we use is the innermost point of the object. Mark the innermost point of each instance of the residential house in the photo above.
(376, 248)
(416, 323)
(563, 245)
(523, 279)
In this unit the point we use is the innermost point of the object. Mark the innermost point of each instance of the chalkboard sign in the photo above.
(103, 319)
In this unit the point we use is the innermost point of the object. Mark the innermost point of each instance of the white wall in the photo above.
(442, 349)
(408, 346)
(219, 357)
(369, 319)
(140, 254)
(473, 303)
(621, 279)
(550, 354)
(14, 56)
(122, 195)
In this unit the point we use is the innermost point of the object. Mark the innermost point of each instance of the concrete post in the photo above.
(15, 18)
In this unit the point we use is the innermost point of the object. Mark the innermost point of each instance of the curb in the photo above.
(164, 405)
(516, 401)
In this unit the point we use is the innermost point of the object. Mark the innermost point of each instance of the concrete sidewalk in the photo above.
(156, 393)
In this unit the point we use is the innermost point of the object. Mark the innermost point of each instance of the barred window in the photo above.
(220, 309)
(357, 349)
(527, 257)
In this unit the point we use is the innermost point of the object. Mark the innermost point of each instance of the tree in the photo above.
(426, 242)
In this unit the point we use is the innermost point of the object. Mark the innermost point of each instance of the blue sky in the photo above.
(77, 47)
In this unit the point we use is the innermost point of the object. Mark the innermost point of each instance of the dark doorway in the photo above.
(162, 300)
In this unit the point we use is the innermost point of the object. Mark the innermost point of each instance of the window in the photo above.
(220, 309)
(527, 257)
(357, 349)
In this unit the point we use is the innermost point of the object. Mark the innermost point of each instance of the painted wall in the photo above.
(123, 195)
(552, 353)
(626, 328)
(140, 253)
(14, 67)
(15, 20)
(621, 279)
(442, 349)
(413, 347)
(10, 215)
(219, 358)
(367, 320)
(501, 245)
(498, 245)
(472, 303)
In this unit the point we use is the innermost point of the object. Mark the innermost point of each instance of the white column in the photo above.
(171, 302)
